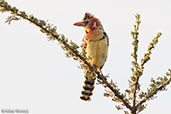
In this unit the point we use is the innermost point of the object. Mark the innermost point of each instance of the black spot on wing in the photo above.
(107, 38)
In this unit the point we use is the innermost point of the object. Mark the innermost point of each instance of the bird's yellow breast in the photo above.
(97, 52)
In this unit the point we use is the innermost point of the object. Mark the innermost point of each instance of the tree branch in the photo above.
(135, 56)
(113, 90)
(156, 87)
(147, 98)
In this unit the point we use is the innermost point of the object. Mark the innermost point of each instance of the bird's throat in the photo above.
(95, 34)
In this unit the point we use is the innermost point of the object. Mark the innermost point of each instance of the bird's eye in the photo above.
(86, 22)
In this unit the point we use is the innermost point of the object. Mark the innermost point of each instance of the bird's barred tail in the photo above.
(87, 89)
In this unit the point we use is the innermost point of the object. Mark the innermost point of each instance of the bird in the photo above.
(95, 44)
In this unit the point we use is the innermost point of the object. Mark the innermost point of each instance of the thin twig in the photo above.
(162, 87)
(147, 98)
(135, 57)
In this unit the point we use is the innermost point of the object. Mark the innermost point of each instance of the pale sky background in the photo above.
(36, 75)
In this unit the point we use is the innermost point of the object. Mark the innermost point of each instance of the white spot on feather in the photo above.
(95, 25)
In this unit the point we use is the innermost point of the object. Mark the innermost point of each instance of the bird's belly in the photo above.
(97, 52)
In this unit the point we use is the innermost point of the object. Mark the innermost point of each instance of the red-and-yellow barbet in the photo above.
(95, 44)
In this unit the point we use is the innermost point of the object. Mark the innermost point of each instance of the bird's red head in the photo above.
(89, 22)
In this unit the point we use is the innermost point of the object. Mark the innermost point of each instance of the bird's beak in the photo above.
(79, 24)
